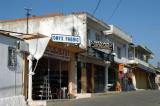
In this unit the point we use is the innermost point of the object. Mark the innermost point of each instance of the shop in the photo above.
(51, 75)
(90, 78)
(144, 77)
(92, 67)
(118, 78)
(53, 69)
(112, 76)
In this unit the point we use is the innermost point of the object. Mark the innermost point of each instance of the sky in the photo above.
(138, 18)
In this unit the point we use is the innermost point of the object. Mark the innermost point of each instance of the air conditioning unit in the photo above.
(22, 46)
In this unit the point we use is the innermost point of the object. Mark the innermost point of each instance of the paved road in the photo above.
(135, 98)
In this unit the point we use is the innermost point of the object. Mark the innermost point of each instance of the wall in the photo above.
(10, 80)
(124, 49)
(51, 25)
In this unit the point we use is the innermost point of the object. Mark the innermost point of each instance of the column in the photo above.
(83, 80)
(106, 76)
(92, 77)
(30, 58)
(72, 77)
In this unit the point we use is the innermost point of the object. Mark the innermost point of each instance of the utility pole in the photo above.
(27, 15)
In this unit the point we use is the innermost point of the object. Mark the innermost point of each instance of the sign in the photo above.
(101, 45)
(66, 39)
(57, 53)
(121, 67)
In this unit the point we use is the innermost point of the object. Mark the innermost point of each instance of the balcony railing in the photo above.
(123, 60)
(138, 61)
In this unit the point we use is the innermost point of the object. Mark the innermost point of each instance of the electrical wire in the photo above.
(115, 9)
(98, 4)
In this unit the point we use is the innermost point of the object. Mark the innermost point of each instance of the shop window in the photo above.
(12, 58)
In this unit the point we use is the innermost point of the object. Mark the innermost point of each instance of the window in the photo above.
(98, 37)
(119, 52)
(124, 46)
(12, 58)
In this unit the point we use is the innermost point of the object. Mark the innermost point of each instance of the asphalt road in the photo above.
(135, 98)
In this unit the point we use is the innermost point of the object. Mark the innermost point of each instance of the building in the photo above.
(139, 60)
(121, 41)
(72, 55)
(56, 56)
(12, 66)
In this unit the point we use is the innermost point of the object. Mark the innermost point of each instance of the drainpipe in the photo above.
(30, 58)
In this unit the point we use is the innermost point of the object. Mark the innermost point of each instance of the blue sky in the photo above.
(139, 18)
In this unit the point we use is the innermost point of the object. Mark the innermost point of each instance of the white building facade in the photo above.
(11, 66)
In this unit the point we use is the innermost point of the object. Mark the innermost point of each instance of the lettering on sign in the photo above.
(57, 53)
(101, 45)
(66, 39)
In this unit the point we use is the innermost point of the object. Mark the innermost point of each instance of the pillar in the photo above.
(72, 77)
(92, 77)
(106, 76)
(30, 58)
(83, 80)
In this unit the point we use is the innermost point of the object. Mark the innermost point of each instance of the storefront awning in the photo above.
(38, 46)
(147, 69)
(103, 50)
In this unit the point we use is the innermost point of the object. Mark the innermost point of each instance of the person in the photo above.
(121, 79)
(129, 83)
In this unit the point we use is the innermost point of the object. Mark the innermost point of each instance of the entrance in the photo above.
(112, 77)
(95, 78)
(51, 79)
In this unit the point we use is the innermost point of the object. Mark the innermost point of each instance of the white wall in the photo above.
(9, 79)
(124, 50)
(51, 25)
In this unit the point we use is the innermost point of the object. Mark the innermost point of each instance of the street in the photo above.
(138, 98)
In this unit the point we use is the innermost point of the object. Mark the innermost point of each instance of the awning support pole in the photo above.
(30, 58)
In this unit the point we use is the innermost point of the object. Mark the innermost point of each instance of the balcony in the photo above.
(118, 33)
(138, 61)
(123, 60)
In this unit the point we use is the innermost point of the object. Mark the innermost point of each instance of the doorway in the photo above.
(51, 79)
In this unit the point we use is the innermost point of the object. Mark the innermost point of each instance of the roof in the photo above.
(21, 36)
(89, 16)
(92, 19)
(7, 34)
(117, 32)
(33, 17)
(144, 48)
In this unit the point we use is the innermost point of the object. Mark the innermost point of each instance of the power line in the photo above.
(96, 7)
(115, 9)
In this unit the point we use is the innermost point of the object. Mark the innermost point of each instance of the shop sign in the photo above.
(57, 53)
(66, 39)
(101, 45)
(121, 67)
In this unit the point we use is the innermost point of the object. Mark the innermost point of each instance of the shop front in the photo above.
(92, 67)
(120, 78)
(52, 69)
(90, 77)
(144, 77)
(51, 77)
